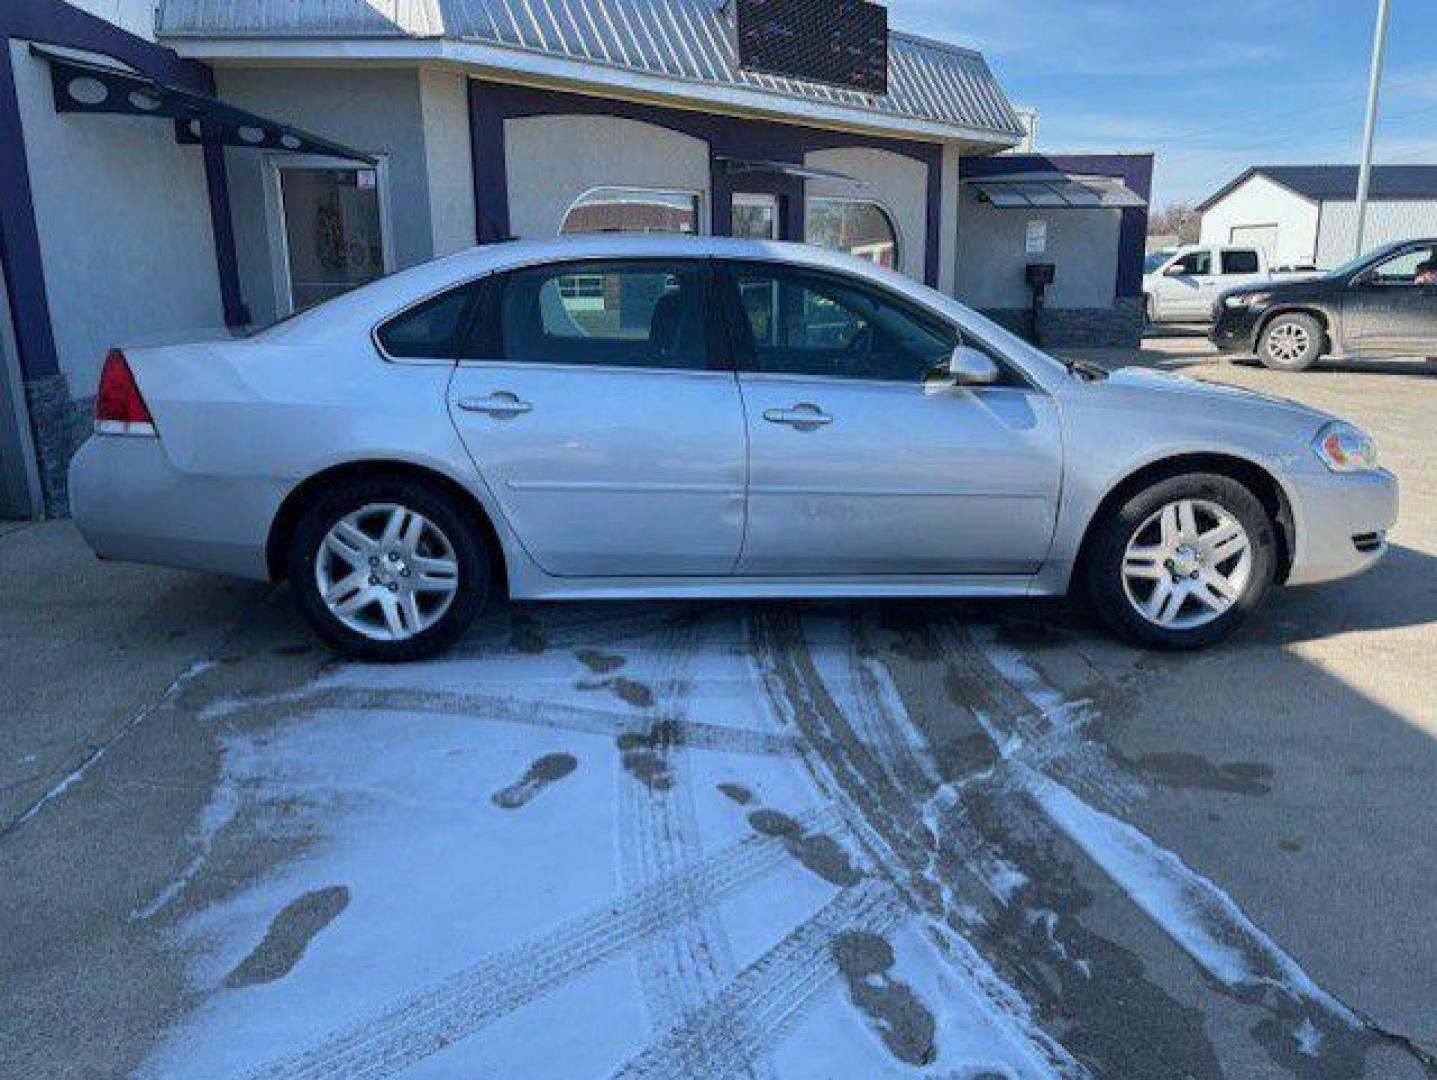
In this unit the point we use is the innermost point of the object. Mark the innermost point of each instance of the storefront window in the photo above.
(863, 229)
(333, 231)
(633, 210)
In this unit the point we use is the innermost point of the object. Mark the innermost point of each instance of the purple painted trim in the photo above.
(19, 239)
(490, 104)
(1135, 170)
(54, 22)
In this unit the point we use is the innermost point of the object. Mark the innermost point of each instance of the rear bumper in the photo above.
(1343, 525)
(133, 505)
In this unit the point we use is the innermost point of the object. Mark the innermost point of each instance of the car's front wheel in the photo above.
(1181, 564)
(1291, 342)
(388, 569)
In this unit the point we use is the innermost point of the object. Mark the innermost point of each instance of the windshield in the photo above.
(1365, 258)
(1155, 261)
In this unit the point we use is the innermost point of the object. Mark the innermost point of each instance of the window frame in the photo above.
(489, 310)
(742, 352)
(701, 225)
(900, 244)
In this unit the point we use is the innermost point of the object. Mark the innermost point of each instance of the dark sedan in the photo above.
(1385, 302)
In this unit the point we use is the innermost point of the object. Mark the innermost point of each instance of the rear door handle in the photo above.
(804, 417)
(499, 405)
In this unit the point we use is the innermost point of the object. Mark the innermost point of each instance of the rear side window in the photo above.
(432, 330)
(1239, 262)
(640, 314)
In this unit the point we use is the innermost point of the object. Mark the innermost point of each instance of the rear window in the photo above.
(1239, 262)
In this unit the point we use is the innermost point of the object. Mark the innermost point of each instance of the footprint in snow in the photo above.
(289, 935)
(902, 1021)
(547, 770)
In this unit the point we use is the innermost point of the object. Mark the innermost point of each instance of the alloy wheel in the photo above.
(1289, 342)
(387, 572)
(1187, 565)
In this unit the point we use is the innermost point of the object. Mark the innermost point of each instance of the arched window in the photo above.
(859, 228)
(633, 210)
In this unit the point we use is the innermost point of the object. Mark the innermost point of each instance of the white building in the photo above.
(1306, 215)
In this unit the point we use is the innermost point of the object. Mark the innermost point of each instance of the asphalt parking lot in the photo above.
(780, 840)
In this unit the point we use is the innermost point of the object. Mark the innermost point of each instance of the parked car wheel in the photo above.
(1181, 564)
(1291, 342)
(389, 570)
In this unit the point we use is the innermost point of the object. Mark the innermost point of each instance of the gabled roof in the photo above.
(691, 41)
(1322, 183)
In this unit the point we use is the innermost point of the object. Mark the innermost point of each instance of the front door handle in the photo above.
(499, 405)
(804, 417)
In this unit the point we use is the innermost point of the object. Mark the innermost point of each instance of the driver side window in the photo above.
(804, 323)
(1406, 269)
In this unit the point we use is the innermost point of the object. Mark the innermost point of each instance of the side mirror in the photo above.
(1175, 270)
(969, 367)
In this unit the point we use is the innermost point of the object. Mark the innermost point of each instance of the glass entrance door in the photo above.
(333, 229)
(755, 217)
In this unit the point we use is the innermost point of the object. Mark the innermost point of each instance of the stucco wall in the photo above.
(992, 255)
(950, 221)
(135, 16)
(1405, 219)
(443, 97)
(1258, 202)
(376, 111)
(897, 182)
(123, 215)
(552, 160)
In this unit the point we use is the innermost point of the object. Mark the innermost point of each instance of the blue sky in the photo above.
(1211, 86)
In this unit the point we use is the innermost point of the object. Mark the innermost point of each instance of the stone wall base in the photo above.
(1117, 327)
(60, 424)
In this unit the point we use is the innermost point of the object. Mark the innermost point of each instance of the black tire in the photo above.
(471, 553)
(1104, 568)
(1279, 357)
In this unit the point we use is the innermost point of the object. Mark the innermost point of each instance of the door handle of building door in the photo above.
(804, 417)
(500, 405)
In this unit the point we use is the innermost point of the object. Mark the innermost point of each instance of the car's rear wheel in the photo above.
(388, 570)
(1181, 564)
(1291, 342)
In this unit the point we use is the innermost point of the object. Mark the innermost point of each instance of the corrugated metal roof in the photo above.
(1338, 182)
(691, 40)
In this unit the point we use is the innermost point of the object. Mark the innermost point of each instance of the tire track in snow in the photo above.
(424, 1023)
(1008, 814)
(508, 710)
(889, 823)
(758, 1008)
(687, 963)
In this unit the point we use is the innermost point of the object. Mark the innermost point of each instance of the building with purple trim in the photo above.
(169, 167)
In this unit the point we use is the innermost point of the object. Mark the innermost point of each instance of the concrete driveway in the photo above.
(816, 840)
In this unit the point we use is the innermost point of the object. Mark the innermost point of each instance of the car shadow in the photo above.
(1412, 368)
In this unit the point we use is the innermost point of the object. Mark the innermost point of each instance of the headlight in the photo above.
(1242, 300)
(1345, 449)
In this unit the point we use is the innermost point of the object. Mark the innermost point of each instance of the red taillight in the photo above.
(119, 408)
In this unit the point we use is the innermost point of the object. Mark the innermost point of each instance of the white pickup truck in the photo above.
(1183, 284)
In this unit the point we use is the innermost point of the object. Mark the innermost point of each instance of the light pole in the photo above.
(1369, 133)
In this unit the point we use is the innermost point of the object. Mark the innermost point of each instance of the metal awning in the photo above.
(1056, 191)
(747, 166)
(83, 86)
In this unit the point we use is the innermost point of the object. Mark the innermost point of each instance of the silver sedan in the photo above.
(608, 418)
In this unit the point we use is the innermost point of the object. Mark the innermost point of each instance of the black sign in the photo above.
(837, 42)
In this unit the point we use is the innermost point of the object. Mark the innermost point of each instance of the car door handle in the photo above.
(803, 417)
(501, 404)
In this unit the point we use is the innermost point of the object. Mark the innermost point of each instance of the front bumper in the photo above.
(1234, 330)
(1343, 520)
(132, 504)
